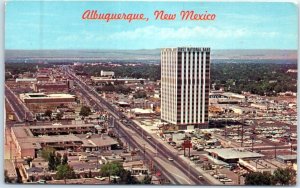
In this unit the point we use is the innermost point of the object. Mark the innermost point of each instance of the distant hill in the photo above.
(146, 56)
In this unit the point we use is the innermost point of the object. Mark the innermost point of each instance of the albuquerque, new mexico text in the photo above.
(158, 15)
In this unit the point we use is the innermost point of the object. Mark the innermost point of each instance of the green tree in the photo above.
(85, 111)
(147, 180)
(64, 159)
(285, 176)
(116, 169)
(51, 162)
(258, 178)
(65, 172)
(46, 151)
(58, 160)
(48, 113)
(111, 169)
(127, 178)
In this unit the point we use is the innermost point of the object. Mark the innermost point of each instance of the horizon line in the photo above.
(150, 49)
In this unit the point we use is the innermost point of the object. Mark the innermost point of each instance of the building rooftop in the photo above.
(22, 132)
(287, 157)
(233, 153)
(115, 79)
(45, 96)
(10, 167)
(55, 126)
(26, 79)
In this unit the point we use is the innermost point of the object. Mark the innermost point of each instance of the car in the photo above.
(170, 159)
(149, 137)
(200, 177)
(100, 178)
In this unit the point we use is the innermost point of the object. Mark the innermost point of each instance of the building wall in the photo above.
(185, 80)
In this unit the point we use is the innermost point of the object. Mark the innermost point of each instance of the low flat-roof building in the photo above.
(29, 140)
(30, 80)
(107, 73)
(287, 158)
(114, 80)
(39, 102)
(261, 165)
(233, 154)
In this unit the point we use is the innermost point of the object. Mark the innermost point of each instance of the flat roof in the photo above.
(97, 140)
(46, 96)
(26, 79)
(287, 157)
(10, 167)
(54, 126)
(141, 111)
(233, 153)
(28, 143)
(21, 132)
(115, 79)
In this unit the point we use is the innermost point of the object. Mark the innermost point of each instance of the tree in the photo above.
(51, 162)
(258, 178)
(46, 151)
(127, 178)
(48, 113)
(285, 176)
(116, 169)
(64, 159)
(85, 111)
(58, 160)
(147, 180)
(111, 169)
(65, 172)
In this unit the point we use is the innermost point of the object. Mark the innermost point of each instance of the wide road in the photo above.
(162, 150)
(21, 111)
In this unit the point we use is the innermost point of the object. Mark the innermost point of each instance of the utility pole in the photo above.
(242, 133)
(144, 152)
(275, 152)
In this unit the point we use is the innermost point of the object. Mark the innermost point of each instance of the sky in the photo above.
(39, 25)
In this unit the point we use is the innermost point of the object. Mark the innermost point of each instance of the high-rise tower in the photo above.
(185, 80)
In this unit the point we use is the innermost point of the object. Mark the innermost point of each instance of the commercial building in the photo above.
(39, 102)
(107, 73)
(29, 140)
(232, 155)
(106, 80)
(185, 80)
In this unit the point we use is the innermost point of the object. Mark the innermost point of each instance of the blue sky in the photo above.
(58, 25)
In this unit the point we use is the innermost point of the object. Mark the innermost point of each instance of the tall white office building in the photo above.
(185, 80)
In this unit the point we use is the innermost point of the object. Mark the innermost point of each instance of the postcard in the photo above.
(151, 92)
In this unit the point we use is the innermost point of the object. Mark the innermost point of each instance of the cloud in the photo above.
(181, 33)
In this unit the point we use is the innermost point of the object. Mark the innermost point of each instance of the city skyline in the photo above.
(58, 25)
